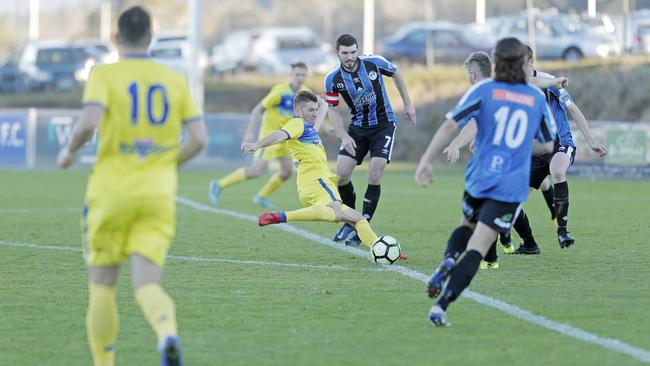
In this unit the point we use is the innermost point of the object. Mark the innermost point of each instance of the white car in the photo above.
(174, 51)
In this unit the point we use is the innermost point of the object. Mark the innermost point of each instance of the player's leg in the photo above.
(354, 218)
(345, 164)
(491, 258)
(284, 172)
(104, 226)
(149, 240)
(523, 229)
(315, 197)
(494, 217)
(548, 192)
(102, 320)
(254, 170)
(380, 148)
(558, 167)
(456, 244)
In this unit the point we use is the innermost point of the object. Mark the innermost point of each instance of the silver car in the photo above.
(560, 36)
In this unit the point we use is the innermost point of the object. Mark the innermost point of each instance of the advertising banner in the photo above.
(13, 140)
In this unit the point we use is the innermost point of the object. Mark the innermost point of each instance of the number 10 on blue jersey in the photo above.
(151, 95)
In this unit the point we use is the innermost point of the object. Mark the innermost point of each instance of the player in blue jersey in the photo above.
(510, 114)
(359, 82)
(557, 162)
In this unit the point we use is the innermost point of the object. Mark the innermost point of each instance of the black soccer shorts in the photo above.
(496, 214)
(376, 140)
(540, 165)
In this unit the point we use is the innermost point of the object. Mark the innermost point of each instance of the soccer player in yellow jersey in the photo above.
(140, 108)
(277, 107)
(316, 182)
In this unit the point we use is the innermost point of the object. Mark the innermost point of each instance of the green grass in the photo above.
(236, 314)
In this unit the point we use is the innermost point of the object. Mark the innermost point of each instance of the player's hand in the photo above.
(410, 114)
(248, 148)
(348, 144)
(321, 102)
(453, 153)
(65, 159)
(599, 149)
(562, 82)
(424, 174)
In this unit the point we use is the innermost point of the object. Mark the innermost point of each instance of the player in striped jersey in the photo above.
(359, 82)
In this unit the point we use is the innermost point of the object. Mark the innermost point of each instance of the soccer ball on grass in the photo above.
(385, 250)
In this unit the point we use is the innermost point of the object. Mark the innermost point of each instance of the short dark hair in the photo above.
(299, 63)
(133, 25)
(346, 40)
(482, 60)
(305, 96)
(509, 57)
(529, 51)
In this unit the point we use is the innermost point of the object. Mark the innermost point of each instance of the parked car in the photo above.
(560, 36)
(231, 55)
(55, 65)
(174, 51)
(104, 52)
(452, 43)
(271, 51)
(642, 38)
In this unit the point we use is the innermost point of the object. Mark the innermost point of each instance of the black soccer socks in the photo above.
(548, 197)
(491, 256)
(457, 242)
(461, 276)
(522, 227)
(370, 200)
(348, 196)
(562, 205)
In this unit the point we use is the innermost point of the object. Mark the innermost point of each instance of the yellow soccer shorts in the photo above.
(320, 191)
(114, 228)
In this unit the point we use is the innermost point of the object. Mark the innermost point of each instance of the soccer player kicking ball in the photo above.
(140, 106)
(509, 115)
(277, 107)
(316, 182)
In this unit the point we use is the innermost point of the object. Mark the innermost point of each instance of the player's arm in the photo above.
(322, 113)
(544, 82)
(541, 148)
(271, 139)
(576, 114)
(546, 134)
(249, 135)
(197, 139)
(424, 171)
(347, 142)
(91, 115)
(466, 135)
(400, 84)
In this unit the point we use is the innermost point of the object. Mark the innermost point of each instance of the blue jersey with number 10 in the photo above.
(509, 117)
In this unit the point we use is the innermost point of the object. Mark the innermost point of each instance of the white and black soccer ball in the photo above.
(385, 250)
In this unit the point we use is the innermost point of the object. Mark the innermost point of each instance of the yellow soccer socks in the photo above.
(158, 308)
(271, 186)
(365, 232)
(233, 178)
(311, 213)
(102, 324)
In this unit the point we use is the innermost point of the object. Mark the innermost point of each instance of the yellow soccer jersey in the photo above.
(278, 108)
(307, 151)
(145, 106)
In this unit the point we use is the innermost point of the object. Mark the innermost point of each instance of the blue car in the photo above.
(452, 43)
(46, 66)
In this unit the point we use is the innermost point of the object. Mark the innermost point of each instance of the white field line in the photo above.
(38, 210)
(562, 328)
(184, 258)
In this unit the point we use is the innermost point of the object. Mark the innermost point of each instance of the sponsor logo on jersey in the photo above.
(372, 75)
(509, 96)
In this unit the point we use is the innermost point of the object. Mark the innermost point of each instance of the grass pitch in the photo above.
(328, 307)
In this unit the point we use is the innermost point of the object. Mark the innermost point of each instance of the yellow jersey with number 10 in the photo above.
(145, 106)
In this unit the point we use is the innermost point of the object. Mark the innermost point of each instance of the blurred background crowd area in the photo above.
(47, 49)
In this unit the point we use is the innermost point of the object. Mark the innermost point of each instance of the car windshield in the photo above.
(59, 56)
(166, 53)
(572, 25)
(297, 42)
